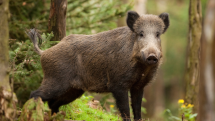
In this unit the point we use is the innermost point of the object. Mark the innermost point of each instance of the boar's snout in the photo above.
(151, 59)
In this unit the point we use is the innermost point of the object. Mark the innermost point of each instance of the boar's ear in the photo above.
(131, 18)
(165, 18)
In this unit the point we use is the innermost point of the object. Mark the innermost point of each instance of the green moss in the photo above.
(79, 110)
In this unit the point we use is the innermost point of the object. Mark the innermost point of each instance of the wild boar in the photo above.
(117, 61)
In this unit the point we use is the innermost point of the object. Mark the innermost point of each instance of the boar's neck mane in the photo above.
(98, 63)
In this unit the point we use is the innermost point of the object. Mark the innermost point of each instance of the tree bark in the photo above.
(206, 91)
(57, 19)
(192, 70)
(6, 94)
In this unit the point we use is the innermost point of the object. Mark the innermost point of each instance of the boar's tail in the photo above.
(34, 35)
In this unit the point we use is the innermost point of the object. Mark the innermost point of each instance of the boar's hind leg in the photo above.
(136, 100)
(121, 98)
(56, 94)
(66, 98)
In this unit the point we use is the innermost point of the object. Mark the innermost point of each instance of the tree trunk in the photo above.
(192, 70)
(57, 19)
(206, 106)
(140, 6)
(6, 93)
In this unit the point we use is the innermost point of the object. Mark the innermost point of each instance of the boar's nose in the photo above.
(152, 59)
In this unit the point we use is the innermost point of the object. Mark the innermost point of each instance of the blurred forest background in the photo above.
(93, 16)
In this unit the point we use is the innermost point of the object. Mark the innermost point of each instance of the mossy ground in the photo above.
(79, 110)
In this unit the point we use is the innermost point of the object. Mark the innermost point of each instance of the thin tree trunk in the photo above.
(206, 106)
(57, 19)
(192, 72)
(6, 94)
(140, 6)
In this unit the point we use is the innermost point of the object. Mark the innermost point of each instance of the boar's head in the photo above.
(147, 29)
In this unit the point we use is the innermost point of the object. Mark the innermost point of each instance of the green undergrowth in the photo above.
(80, 110)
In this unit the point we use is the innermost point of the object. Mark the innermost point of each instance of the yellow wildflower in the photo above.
(190, 106)
(183, 106)
(181, 101)
(111, 106)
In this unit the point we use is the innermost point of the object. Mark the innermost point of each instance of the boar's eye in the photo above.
(141, 34)
(157, 34)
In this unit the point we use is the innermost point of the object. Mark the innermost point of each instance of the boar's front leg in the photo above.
(121, 97)
(136, 100)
